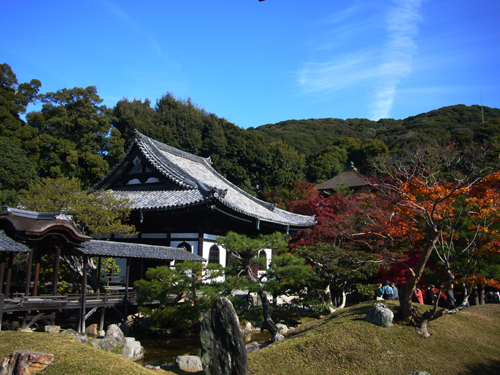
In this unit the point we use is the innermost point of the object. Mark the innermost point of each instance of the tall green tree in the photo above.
(286, 272)
(73, 134)
(184, 293)
(16, 171)
(14, 99)
(95, 212)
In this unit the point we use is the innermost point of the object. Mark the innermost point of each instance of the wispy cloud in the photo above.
(379, 67)
(402, 27)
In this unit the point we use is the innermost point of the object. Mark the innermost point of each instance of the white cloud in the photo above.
(402, 27)
(364, 56)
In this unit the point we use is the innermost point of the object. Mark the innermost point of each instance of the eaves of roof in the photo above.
(133, 250)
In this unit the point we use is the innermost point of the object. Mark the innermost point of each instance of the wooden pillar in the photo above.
(9, 274)
(81, 327)
(2, 271)
(127, 279)
(200, 244)
(37, 272)
(99, 275)
(29, 265)
(55, 276)
(101, 321)
(141, 272)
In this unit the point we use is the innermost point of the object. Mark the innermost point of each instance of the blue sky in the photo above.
(255, 63)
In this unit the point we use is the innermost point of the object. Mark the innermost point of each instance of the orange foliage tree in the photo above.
(435, 188)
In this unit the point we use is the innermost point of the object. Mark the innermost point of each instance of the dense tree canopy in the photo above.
(16, 171)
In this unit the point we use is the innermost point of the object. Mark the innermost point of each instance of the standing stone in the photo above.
(114, 332)
(24, 362)
(380, 315)
(223, 349)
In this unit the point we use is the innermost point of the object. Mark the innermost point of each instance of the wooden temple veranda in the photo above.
(37, 234)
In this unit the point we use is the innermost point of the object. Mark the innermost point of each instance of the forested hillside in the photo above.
(74, 135)
(362, 138)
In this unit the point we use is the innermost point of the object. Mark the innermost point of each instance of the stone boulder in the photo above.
(419, 373)
(133, 350)
(69, 331)
(92, 330)
(24, 362)
(189, 363)
(380, 315)
(223, 349)
(82, 338)
(114, 332)
(106, 344)
(252, 347)
(282, 328)
(52, 329)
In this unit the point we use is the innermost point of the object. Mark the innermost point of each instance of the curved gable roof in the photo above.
(198, 182)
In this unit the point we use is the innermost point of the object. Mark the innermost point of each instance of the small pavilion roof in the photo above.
(7, 244)
(351, 178)
(132, 250)
(33, 225)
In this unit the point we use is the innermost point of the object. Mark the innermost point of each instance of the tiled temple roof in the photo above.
(198, 182)
(7, 244)
(133, 250)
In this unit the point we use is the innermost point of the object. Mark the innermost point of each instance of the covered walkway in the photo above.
(57, 234)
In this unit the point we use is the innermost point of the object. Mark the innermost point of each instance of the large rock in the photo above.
(52, 329)
(419, 373)
(114, 332)
(82, 338)
(106, 344)
(380, 315)
(92, 330)
(189, 363)
(252, 347)
(133, 350)
(283, 329)
(24, 362)
(223, 349)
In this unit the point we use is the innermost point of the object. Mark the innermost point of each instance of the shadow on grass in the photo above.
(487, 367)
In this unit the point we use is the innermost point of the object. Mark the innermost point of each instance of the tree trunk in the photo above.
(266, 311)
(343, 295)
(482, 294)
(475, 295)
(410, 286)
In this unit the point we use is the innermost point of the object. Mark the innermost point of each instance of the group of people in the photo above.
(389, 291)
(431, 293)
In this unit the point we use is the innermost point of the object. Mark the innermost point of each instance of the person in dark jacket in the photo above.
(430, 297)
(395, 292)
(450, 298)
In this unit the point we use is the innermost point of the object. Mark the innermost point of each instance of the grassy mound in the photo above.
(466, 343)
(70, 356)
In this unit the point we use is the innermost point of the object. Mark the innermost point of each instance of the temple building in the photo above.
(350, 178)
(180, 200)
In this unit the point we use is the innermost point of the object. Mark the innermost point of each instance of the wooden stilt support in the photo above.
(55, 276)
(101, 321)
(2, 270)
(29, 265)
(81, 328)
(9, 275)
(37, 272)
